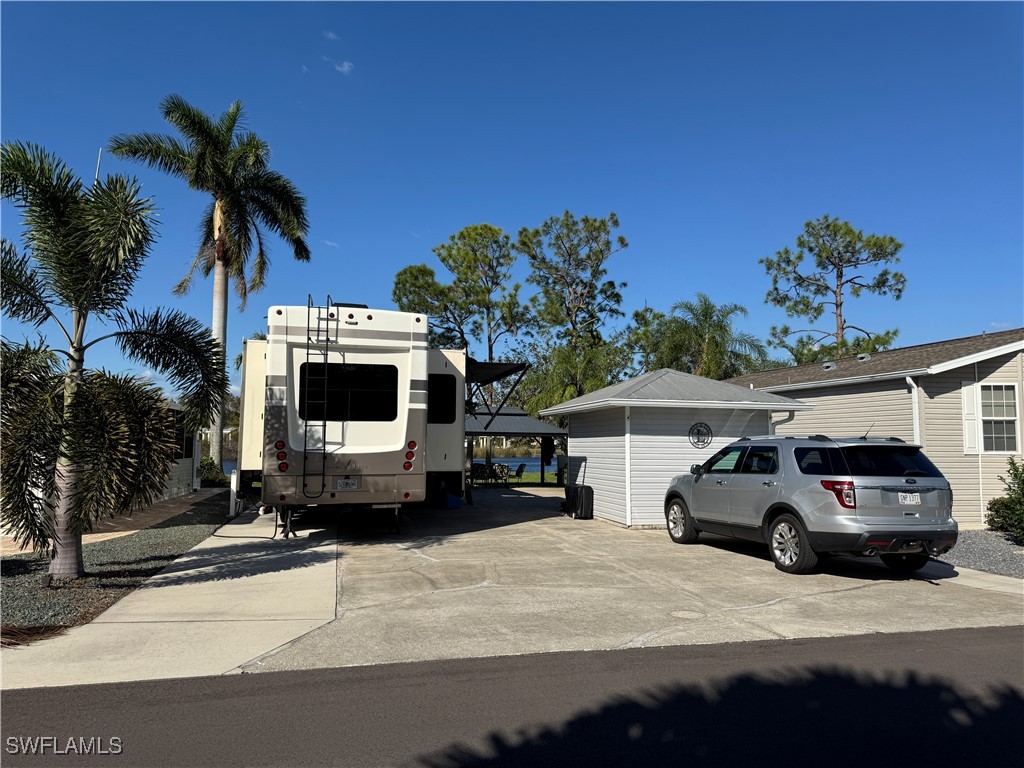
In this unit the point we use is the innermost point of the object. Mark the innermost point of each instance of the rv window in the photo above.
(348, 392)
(441, 398)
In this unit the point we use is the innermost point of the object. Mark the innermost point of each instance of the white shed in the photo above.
(627, 441)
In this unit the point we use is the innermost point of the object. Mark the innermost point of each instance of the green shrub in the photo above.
(1006, 513)
(210, 474)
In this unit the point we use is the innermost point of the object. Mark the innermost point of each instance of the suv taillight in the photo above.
(843, 489)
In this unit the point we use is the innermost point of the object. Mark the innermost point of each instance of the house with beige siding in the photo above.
(961, 400)
(629, 440)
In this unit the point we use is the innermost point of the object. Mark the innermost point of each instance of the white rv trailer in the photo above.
(343, 405)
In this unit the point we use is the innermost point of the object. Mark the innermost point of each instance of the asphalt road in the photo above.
(956, 696)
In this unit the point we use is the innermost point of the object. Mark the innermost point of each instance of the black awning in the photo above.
(487, 373)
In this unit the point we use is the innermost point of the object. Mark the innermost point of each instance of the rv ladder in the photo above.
(314, 430)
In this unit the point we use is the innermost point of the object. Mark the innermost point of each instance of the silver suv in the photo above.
(806, 496)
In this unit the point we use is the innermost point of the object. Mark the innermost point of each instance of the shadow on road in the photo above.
(819, 715)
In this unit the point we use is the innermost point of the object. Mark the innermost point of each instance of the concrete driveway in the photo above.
(509, 575)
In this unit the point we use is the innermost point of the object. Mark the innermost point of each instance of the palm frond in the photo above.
(260, 265)
(117, 229)
(31, 418)
(194, 124)
(23, 292)
(120, 444)
(180, 347)
(164, 153)
(249, 153)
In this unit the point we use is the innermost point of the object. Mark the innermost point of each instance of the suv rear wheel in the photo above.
(680, 524)
(906, 563)
(788, 546)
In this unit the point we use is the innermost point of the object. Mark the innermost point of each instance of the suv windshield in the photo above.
(888, 461)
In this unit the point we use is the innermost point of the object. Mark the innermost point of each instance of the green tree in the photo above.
(568, 259)
(699, 338)
(843, 258)
(417, 289)
(481, 301)
(565, 371)
(247, 197)
(641, 340)
(481, 259)
(78, 445)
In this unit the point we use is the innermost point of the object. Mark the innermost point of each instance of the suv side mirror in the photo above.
(696, 469)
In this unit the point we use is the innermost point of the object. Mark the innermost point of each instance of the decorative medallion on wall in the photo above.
(700, 435)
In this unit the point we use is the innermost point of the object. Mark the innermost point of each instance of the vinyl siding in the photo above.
(974, 477)
(597, 457)
(883, 407)
(181, 480)
(660, 449)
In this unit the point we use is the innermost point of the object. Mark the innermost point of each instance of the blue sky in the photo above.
(713, 130)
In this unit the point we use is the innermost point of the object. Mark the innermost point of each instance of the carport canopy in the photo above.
(510, 422)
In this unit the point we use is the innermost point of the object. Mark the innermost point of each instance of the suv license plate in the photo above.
(910, 498)
(352, 483)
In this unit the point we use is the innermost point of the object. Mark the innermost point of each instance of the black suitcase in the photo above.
(582, 503)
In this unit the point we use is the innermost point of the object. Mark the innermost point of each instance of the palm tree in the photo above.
(218, 158)
(78, 445)
(699, 338)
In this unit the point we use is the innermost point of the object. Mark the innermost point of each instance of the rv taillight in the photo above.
(412, 445)
(843, 489)
(279, 445)
(283, 466)
(408, 495)
(410, 455)
(407, 466)
(281, 455)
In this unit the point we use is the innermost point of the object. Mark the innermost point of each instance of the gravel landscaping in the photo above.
(988, 551)
(114, 568)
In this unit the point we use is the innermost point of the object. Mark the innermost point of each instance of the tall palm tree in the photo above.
(699, 337)
(77, 445)
(216, 157)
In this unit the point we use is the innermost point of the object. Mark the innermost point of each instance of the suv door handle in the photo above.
(719, 482)
(768, 483)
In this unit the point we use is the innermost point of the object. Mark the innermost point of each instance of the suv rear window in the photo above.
(888, 461)
(820, 461)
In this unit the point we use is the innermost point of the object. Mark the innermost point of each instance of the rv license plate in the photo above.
(348, 484)
(910, 498)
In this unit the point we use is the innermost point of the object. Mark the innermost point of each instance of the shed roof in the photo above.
(667, 388)
(919, 360)
(511, 422)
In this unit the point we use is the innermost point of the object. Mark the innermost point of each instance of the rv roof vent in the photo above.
(863, 357)
(350, 306)
(829, 366)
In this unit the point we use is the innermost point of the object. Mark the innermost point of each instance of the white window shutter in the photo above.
(969, 395)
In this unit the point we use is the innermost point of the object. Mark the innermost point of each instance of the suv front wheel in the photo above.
(788, 546)
(680, 524)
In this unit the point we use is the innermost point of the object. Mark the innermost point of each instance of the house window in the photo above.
(999, 417)
(183, 440)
